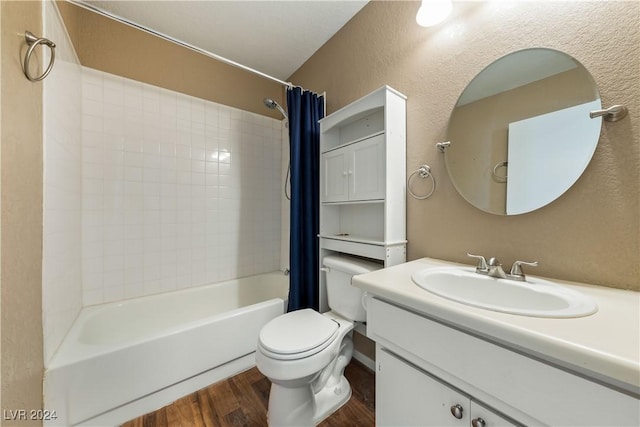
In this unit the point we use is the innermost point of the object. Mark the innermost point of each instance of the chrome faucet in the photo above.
(493, 268)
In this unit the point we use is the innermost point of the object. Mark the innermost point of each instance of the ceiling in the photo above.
(274, 37)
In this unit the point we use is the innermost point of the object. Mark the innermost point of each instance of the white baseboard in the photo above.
(366, 361)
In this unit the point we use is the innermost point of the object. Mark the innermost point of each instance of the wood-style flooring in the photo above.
(242, 401)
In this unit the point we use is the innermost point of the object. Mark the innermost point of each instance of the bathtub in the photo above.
(125, 359)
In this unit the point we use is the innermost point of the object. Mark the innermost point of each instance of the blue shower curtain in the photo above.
(305, 109)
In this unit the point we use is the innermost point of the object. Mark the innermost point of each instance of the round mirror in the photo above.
(520, 134)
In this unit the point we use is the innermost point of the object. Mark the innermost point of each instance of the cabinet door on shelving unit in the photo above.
(335, 179)
(366, 169)
(406, 396)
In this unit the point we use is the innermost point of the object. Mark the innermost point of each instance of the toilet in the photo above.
(304, 353)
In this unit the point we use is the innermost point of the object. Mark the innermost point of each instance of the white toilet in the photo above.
(304, 353)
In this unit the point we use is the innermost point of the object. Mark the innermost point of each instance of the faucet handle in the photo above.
(482, 263)
(516, 269)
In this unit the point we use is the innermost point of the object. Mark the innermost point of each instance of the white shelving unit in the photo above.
(362, 180)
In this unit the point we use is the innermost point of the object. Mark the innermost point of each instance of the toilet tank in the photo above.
(344, 299)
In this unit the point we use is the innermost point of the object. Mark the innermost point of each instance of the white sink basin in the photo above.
(535, 297)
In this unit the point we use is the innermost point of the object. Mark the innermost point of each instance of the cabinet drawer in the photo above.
(511, 382)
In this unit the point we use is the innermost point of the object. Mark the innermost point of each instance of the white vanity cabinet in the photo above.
(408, 396)
(426, 366)
(362, 180)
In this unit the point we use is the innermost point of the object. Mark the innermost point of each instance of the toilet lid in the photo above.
(297, 332)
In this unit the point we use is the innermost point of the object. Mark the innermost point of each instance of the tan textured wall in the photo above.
(107, 45)
(22, 360)
(364, 345)
(591, 233)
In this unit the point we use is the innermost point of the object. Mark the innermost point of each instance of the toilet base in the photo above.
(330, 399)
(299, 407)
(290, 406)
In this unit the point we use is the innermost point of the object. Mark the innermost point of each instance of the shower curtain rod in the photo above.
(179, 42)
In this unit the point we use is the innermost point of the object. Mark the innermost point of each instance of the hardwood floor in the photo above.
(242, 401)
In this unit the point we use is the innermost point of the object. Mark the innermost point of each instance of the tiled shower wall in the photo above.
(176, 191)
(62, 204)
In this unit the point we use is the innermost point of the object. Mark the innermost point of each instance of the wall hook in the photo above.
(442, 145)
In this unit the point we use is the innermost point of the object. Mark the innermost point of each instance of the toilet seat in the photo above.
(297, 335)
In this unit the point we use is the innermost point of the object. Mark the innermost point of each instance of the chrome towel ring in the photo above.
(33, 42)
(423, 172)
(497, 177)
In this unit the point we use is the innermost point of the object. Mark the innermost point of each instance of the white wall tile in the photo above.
(63, 204)
(179, 191)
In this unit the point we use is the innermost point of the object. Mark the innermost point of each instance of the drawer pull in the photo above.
(478, 422)
(456, 411)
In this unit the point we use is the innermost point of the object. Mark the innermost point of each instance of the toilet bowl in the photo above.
(304, 353)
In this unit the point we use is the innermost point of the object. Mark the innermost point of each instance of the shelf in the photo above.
(323, 150)
(354, 202)
(359, 108)
(360, 239)
(352, 238)
(374, 251)
(366, 247)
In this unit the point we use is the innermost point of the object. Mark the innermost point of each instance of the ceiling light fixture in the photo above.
(433, 12)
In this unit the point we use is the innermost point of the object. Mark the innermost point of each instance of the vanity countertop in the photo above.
(604, 346)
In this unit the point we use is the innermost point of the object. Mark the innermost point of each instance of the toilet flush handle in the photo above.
(325, 269)
(364, 300)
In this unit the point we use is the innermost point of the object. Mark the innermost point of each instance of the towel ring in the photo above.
(34, 41)
(500, 178)
(423, 171)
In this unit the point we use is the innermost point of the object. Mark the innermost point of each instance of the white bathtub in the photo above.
(121, 360)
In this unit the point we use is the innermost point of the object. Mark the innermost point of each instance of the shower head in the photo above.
(270, 103)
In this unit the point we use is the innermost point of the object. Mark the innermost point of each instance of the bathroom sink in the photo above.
(534, 297)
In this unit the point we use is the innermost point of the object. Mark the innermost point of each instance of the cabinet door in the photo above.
(366, 169)
(406, 396)
(335, 184)
(481, 416)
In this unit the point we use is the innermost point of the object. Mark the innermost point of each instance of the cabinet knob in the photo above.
(456, 411)
(478, 422)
